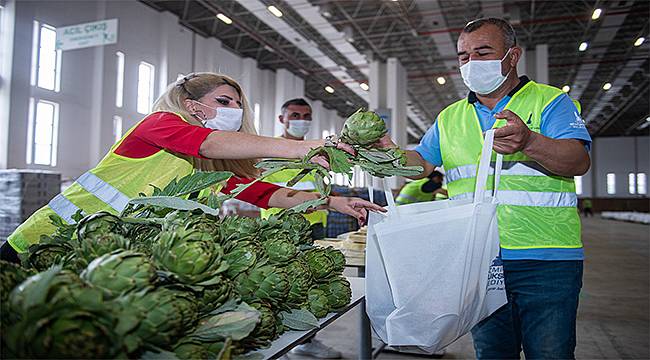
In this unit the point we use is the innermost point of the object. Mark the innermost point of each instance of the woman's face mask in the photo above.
(225, 118)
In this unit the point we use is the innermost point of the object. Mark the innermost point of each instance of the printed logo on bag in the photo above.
(495, 276)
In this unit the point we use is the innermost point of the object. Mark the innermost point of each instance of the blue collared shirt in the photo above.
(560, 120)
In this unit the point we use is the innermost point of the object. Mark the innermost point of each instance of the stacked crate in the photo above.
(22, 192)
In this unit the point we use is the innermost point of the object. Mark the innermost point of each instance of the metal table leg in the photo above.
(365, 342)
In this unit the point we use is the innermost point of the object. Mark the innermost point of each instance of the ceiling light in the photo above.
(596, 14)
(566, 88)
(441, 80)
(326, 10)
(329, 89)
(607, 86)
(349, 33)
(583, 46)
(224, 18)
(364, 86)
(275, 11)
(639, 41)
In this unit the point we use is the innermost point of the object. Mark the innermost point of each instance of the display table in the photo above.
(290, 339)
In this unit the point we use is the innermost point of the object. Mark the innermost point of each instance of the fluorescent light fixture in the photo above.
(329, 89)
(224, 18)
(639, 41)
(583, 46)
(596, 14)
(364, 86)
(275, 11)
(441, 80)
(566, 88)
(607, 86)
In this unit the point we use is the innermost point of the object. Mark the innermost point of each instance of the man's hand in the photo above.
(385, 143)
(514, 136)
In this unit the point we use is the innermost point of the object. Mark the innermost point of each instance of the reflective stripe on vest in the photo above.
(103, 191)
(63, 207)
(302, 185)
(405, 197)
(518, 168)
(530, 198)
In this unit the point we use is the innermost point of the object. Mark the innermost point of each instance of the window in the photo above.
(578, 182)
(42, 132)
(145, 87)
(117, 128)
(119, 84)
(631, 183)
(46, 60)
(641, 187)
(256, 113)
(611, 183)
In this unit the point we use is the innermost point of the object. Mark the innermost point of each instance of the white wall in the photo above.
(618, 155)
(88, 77)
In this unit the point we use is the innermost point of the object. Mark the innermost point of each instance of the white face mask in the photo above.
(483, 76)
(298, 128)
(226, 119)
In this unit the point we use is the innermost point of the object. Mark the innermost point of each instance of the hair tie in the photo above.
(186, 78)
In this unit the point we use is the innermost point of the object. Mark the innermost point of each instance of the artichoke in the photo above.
(277, 246)
(234, 228)
(11, 275)
(338, 292)
(264, 283)
(191, 349)
(65, 333)
(51, 250)
(156, 317)
(191, 256)
(265, 331)
(119, 272)
(320, 264)
(100, 223)
(242, 256)
(97, 245)
(317, 303)
(142, 236)
(363, 128)
(214, 296)
(301, 282)
(338, 259)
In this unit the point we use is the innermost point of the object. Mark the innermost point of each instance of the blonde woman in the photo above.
(203, 121)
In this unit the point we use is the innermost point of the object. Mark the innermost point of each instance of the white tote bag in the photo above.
(432, 268)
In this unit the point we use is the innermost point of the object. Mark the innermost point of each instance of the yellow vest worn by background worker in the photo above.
(537, 209)
(412, 193)
(109, 186)
(306, 183)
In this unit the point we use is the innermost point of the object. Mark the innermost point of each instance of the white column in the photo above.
(6, 66)
(319, 121)
(541, 63)
(287, 87)
(98, 117)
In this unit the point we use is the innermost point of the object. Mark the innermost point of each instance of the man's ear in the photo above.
(281, 119)
(516, 55)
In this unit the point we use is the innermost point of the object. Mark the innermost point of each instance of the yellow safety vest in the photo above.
(109, 187)
(537, 208)
(306, 183)
(412, 193)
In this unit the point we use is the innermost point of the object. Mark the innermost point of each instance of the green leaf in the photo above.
(193, 182)
(233, 324)
(175, 203)
(159, 354)
(377, 156)
(339, 160)
(298, 177)
(229, 305)
(299, 319)
(307, 205)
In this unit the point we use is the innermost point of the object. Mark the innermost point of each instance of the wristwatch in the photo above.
(331, 141)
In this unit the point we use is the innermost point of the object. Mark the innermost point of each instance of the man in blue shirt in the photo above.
(542, 284)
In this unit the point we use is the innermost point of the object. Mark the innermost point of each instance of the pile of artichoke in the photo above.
(167, 282)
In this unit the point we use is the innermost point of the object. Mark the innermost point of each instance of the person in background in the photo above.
(426, 189)
(296, 119)
(545, 144)
(587, 208)
(202, 122)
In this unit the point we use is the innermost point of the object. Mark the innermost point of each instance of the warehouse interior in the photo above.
(62, 110)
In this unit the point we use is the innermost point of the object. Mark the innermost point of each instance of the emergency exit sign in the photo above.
(96, 33)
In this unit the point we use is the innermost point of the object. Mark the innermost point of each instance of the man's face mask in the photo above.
(299, 128)
(225, 118)
(483, 76)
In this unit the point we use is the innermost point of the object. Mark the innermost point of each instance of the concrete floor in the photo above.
(613, 317)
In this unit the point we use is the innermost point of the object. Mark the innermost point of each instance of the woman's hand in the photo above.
(354, 207)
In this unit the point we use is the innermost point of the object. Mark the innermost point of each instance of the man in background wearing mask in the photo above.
(296, 118)
(545, 144)
(422, 190)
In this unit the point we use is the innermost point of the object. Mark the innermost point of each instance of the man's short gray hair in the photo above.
(509, 36)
